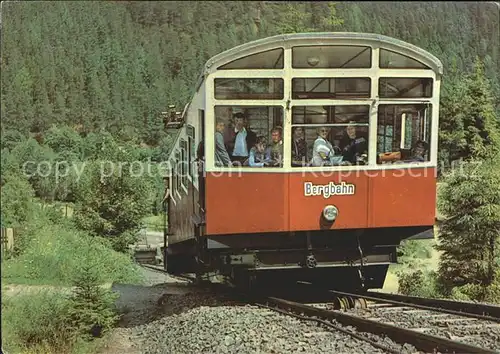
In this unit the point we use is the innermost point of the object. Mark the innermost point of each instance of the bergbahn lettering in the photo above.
(329, 189)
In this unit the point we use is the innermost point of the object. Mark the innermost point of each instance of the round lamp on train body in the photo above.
(313, 61)
(330, 212)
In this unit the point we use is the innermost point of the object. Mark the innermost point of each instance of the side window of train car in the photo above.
(178, 170)
(174, 176)
(184, 163)
(191, 151)
(403, 133)
(330, 135)
(248, 136)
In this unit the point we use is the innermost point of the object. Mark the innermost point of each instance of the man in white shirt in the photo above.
(240, 139)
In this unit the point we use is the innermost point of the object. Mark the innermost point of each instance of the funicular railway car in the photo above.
(306, 157)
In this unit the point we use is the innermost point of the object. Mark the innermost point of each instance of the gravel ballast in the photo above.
(242, 329)
(169, 316)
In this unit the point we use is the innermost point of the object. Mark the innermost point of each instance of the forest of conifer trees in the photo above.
(117, 65)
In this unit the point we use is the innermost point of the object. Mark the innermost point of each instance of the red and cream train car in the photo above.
(345, 127)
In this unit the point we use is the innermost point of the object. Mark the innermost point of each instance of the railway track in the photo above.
(484, 312)
(428, 328)
(469, 323)
(422, 341)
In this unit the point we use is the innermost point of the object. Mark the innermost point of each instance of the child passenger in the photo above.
(259, 156)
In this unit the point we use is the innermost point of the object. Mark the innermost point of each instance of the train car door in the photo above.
(199, 217)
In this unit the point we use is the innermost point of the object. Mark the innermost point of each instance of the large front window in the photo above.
(248, 136)
(330, 135)
(404, 133)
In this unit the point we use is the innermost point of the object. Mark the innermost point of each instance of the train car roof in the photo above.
(346, 38)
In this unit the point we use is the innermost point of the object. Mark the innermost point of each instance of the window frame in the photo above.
(178, 178)
(183, 159)
(332, 125)
(282, 55)
(251, 98)
(428, 122)
(173, 179)
(425, 67)
(365, 46)
(343, 95)
(254, 105)
(191, 138)
(419, 79)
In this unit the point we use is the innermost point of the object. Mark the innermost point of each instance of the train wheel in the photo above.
(360, 303)
(344, 304)
(336, 303)
(350, 302)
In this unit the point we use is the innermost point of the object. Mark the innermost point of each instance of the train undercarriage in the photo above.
(346, 260)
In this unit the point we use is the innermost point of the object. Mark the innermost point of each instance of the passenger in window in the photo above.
(259, 155)
(354, 146)
(221, 155)
(323, 151)
(299, 147)
(276, 148)
(200, 151)
(239, 138)
(419, 151)
(200, 157)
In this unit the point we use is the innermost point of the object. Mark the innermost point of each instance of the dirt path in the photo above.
(140, 304)
(120, 341)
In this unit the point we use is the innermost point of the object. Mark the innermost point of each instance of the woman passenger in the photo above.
(323, 150)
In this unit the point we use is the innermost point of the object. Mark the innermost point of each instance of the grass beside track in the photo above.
(38, 282)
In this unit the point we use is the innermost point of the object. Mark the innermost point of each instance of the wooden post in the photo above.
(10, 239)
(7, 240)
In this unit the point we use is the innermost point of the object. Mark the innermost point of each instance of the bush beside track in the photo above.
(56, 295)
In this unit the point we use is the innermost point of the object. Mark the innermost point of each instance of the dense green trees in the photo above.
(114, 193)
(112, 186)
(470, 197)
(469, 238)
(469, 125)
(117, 65)
(16, 206)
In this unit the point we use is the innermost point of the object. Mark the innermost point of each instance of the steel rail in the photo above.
(432, 305)
(425, 342)
(337, 328)
(485, 310)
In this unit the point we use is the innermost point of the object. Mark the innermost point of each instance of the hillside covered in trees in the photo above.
(117, 65)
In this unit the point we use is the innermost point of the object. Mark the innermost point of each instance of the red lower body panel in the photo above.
(255, 202)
